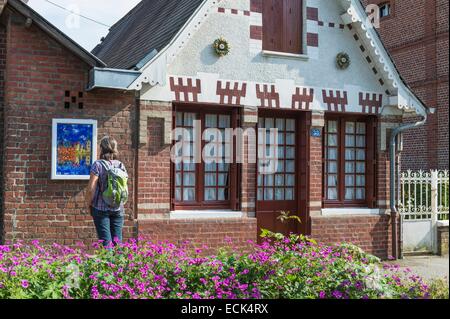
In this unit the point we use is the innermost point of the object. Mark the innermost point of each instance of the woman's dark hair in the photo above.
(108, 149)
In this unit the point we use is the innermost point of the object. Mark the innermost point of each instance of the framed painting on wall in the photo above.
(74, 148)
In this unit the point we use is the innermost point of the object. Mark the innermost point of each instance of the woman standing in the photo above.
(108, 215)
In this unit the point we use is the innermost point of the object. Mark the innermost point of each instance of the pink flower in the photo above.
(322, 295)
(25, 284)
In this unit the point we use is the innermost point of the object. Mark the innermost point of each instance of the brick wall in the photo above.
(39, 72)
(371, 233)
(416, 35)
(2, 78)
(212, 233)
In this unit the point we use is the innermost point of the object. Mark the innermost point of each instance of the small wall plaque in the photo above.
(315, 132)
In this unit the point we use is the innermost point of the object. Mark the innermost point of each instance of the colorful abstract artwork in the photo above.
(74, 148)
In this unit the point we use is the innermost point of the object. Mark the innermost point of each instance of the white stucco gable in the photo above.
(188, 70)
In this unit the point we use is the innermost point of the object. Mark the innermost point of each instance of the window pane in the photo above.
(360, 141)
(290, 125)
(360, 194)
(178, 179)
(223, 179)
(270, 123)
(349, 167)
(210, 194)
(350, 154)
(332, 167)
(289, 194)
(189, 119)
(224, 121)
(350, 128)
(290, 166)
(222, 194)
(332, 126)
(290, 139)
(349, 180)
(280, 152)
(279, 194)
(332, 154)
(350, 140)
(179, 121)
(211, 120)
(332, 181)
(360, 180)
(260, 194)
(280, 167)
(188, 195)
(260, 180)
(350, 193)
(268, 180)
(290, 152)
(189, 179)
(210, 179)
(332, 140)
(360, 167)
(290, 180)
(279, 180)
(178, 194)
(361, 155)
(268, 194)
(281, 138)
(332, 194)
(361, 128)
(280, 124)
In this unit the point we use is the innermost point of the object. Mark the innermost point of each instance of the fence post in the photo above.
(434, 208)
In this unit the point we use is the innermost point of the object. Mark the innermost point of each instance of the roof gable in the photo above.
(155, 71)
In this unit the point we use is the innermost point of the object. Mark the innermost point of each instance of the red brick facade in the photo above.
(416, 34)
(2, 94)
(40, 71)
(36, 207)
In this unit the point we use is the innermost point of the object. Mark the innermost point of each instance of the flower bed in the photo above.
(292, 267)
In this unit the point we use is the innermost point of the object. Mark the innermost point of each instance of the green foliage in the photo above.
(439, 289)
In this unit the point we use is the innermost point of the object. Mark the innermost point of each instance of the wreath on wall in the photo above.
(343, 60)
(221, 47)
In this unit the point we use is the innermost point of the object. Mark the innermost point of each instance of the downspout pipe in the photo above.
(393, 190)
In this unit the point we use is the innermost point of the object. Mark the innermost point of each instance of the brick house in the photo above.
(416, 35)
(157, 71)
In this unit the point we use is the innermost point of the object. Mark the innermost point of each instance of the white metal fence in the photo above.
(424, 195)
(423, 203)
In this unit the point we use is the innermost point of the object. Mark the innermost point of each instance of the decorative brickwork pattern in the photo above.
(268, 96)
(302, 99)
(231, 93)
(185, 90)
(336, 101)
(371, 103)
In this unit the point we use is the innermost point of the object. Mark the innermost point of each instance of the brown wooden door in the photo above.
(282, 186)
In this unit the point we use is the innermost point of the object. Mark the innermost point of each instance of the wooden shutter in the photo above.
(292, 25)
(273, 25)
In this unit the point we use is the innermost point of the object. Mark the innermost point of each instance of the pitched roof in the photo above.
(149, 26)
(52, 31)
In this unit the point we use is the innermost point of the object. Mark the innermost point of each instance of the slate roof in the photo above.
(149, 26)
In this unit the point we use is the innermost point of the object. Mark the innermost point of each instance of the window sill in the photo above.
(350, 211)
(303, 57)
(205, 214)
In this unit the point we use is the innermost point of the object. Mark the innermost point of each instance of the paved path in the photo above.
(428, 267)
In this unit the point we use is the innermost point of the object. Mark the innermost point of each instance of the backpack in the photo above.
(116, 190)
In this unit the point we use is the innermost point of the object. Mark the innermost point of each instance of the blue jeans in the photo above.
(109, 225)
